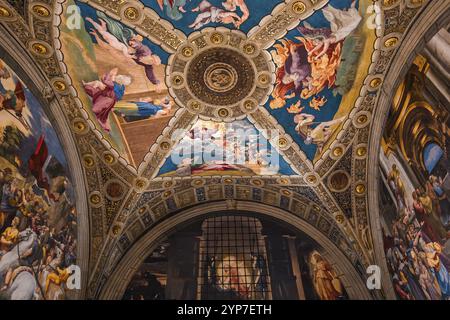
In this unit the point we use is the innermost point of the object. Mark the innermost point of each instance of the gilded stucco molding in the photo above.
(285, 17)
(144, 20)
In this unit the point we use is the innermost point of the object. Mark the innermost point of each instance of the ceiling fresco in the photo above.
(124, 93)
(317, 84)
(167, 109)
(308, 80)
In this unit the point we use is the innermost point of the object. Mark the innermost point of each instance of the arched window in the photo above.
(233, 259)
(432, 154)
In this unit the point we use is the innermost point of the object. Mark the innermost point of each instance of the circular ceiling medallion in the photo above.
(212, 77)
(114, 190)
(220, 75)
(339, 181)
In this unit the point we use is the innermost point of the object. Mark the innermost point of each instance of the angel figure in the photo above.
(232, 5)
(113, 35)
(308, 67)
(295, 108)
(211, 14)
(102, 30)
(294, 71)
(317, 102)
(342, 23)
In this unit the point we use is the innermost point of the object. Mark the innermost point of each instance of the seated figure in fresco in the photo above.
(211, 14)
(105, 93)
(430, 226)
(318, 135)
(174, 9)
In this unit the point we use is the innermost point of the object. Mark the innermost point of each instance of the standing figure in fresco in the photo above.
(259, 275)
(319, 134)
(105, 94)
(174, 9)
(211, 14)
(326, 284)
(424, 218)
(443, 203)
(397, 187)
(432, 216)
(212, 272)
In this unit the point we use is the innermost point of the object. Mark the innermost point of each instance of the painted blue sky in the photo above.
(327, 112)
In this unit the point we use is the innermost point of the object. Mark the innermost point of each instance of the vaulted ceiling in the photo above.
(125, 179)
